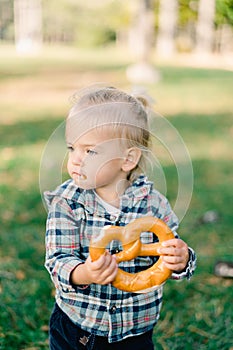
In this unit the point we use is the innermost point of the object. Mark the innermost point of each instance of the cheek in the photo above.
(94, 163)
(102, 166)
(68, 165)
(108, 168)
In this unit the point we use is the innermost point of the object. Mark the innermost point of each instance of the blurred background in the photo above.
(181, 53)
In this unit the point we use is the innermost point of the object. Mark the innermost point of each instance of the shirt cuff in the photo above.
(189, 269)
(79, 286)
(65, 273)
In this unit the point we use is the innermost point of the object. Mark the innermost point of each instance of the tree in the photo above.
(28, 25)
(224, 22)
(205, 26)
(141, 32)
(6, 20)
(141, 40)
(168, 14)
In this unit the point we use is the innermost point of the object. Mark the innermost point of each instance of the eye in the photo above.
(70, 148)
(91, 152)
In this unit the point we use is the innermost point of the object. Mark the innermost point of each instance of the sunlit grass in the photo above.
(34, 99)
(45, 82)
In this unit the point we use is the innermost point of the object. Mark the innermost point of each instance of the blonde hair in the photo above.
(127, 115)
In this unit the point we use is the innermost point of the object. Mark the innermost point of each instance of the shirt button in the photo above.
(113, 309)
(114, 251)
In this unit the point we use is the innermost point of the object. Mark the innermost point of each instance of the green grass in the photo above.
(34, 96)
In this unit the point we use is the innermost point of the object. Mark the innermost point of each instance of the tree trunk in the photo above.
(28, 26)
(168, 13)
(141, 39)
(142, 31)
(205, 26)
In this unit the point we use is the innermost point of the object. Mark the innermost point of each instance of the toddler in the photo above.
(108, 140)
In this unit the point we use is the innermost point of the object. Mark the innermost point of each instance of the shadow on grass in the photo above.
(195, 314)
(17, 68)
(194, 126)
(28, 132)
(181, 74)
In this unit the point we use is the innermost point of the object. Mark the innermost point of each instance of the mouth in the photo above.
(79, 176)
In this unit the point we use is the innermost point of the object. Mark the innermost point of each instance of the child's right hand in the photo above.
(103, 270)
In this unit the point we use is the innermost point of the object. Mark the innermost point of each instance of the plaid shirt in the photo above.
(74, 216)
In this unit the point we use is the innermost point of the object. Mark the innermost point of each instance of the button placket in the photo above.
(113, 309)
(114, 247)
(113, 218)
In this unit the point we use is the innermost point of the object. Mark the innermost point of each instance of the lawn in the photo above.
(34, 98)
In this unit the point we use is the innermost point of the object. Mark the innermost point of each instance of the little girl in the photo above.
(107, 137)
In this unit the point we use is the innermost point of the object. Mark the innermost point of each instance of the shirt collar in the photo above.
(139, 189)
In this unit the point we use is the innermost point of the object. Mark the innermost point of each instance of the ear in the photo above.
(131, 159)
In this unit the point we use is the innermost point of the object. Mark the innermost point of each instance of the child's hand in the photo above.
(175, 254)
(103, 270)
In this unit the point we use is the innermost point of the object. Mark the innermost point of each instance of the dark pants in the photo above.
(65, 335)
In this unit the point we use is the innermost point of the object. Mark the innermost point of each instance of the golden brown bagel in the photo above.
(129, 235)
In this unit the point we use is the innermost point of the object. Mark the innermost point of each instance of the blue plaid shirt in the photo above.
(74, 216)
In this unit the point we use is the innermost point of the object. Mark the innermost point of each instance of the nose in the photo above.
(76, 157)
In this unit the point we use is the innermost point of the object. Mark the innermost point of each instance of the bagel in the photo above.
(129, 236)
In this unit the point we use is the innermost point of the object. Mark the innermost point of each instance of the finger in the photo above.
(108, 273)
(175, 242)
(177, 267)
(170, 251)
(170, 242)
(108, 261)
(172, 259)
(175, 263)
(174, 267)
(110, 268)
(101, 262)
(111, 275)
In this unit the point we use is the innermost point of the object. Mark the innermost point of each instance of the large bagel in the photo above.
(129, 236)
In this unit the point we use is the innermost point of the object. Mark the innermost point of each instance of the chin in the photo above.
(84, 186)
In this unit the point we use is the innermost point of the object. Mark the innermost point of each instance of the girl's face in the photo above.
(95, 162)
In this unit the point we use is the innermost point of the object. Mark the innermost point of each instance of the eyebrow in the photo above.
(82, 144)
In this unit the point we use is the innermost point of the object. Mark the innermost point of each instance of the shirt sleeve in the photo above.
(62, 243)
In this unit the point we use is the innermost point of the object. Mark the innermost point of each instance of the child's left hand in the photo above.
(174, 254)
